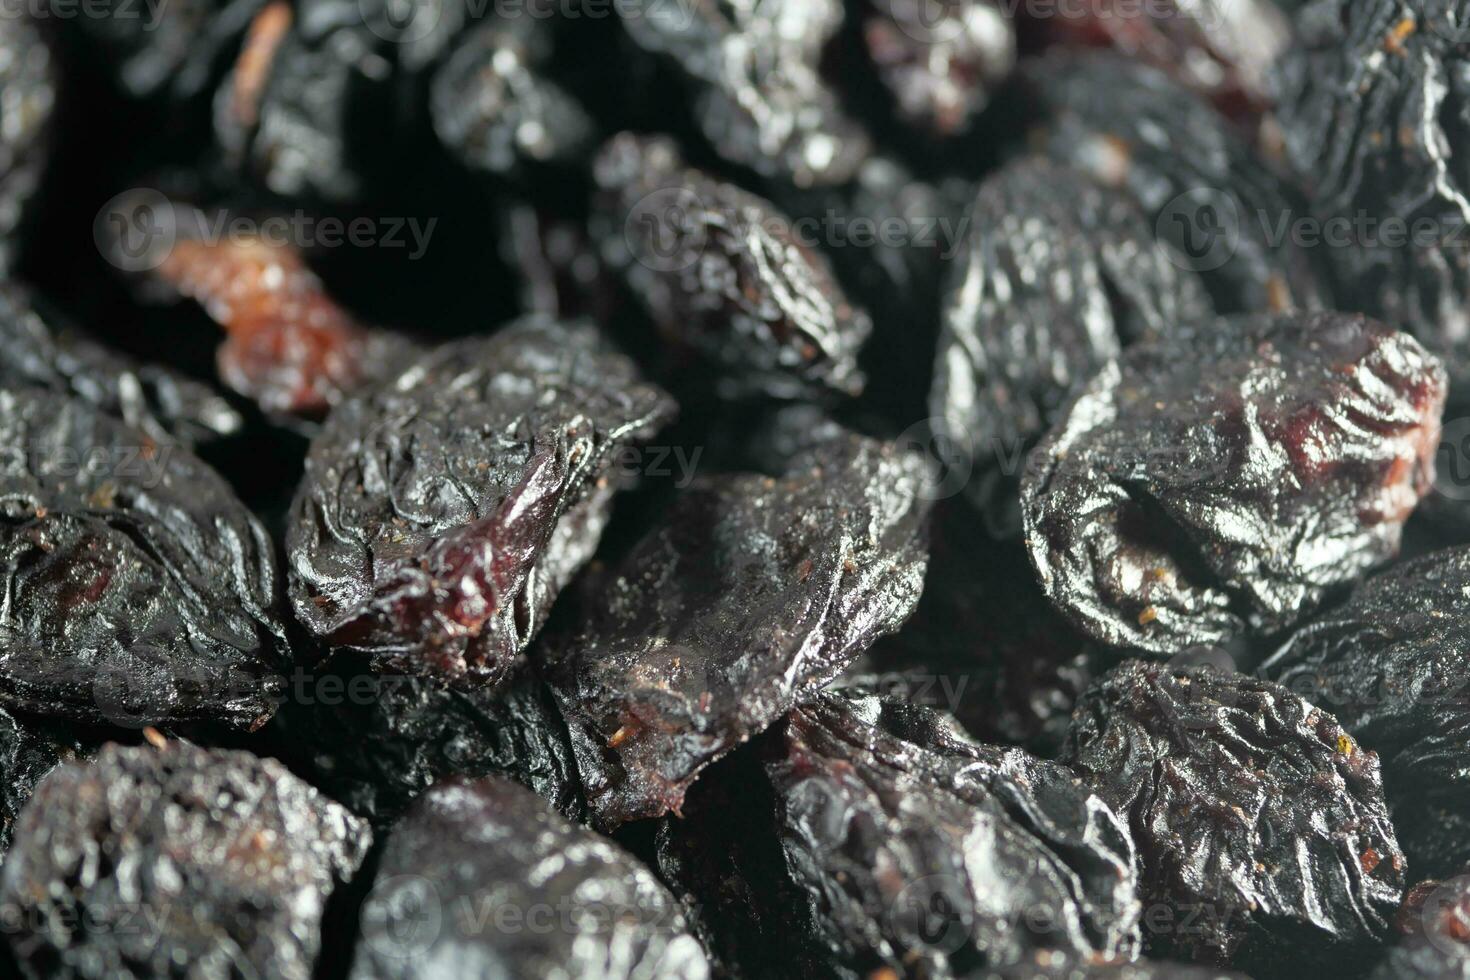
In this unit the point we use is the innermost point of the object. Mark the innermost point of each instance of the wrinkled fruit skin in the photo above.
(1217, 483)
(140, 590)
(1205, 189)
(750, 594)
(1260, 823)
(1373, 111)
(391, 736)
(175, 855)
(922, 851)
(720, 272)
(1057, 275)
(443, 510)
(1389, 664)
(759, 97)
(469, 847)
(162, 403)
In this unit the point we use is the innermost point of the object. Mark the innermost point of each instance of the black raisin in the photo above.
(1260, 823)
(1387, 663)
(1219, 482)
(1056, 276)
(148, 858)
(442, 511)
(513, 889)
(139, 589)
(722, 272)
(750, 593)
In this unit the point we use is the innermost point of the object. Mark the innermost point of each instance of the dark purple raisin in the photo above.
(149, 858)
(1262, 833)
(1217, 483)
(443, 510)
(750, 593)
(514, 889)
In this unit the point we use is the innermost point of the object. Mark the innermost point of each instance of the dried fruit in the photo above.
(749, 594)
(1204, 188)
(1222, 50)
(290, 115)
(1372, 108)
(1387, 664)
(515, 890)
(375, 742)
(755, 70)
(148, 858)
(157, 401)
(941, 65)
(720, 271)
(289, 346)
(1260, 823)
(1216, 483)
(443, 510)
(138, 588)
(494, 109)
(914, 849)
(1057, 275)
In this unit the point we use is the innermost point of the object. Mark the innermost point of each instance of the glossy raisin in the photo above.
(148, 858)
(443, 510)
(721, 271)
(1386, 663)
(1260, 823)
(1219, 482)
(552, 898)
(140, 590)
(750, 593)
